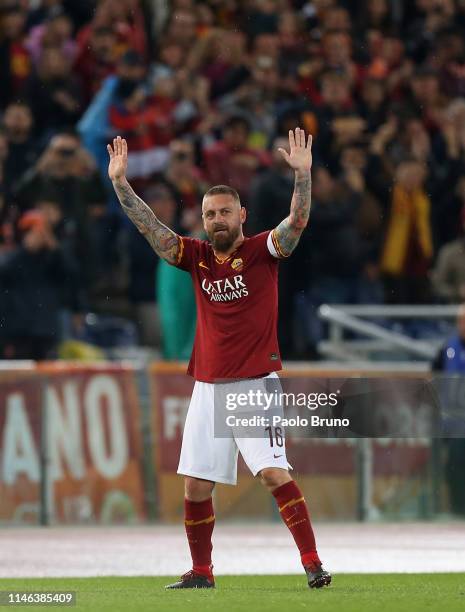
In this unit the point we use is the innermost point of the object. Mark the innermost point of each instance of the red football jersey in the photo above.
(237, 308)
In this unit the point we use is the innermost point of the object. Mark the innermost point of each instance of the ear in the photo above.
(243, 214)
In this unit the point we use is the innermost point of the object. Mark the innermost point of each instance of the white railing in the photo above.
(341, 317)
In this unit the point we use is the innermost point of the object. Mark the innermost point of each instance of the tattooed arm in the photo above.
(164, 241)
(287, 234)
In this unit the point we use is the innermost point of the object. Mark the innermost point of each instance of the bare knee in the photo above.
(196, 489)
(272, 478)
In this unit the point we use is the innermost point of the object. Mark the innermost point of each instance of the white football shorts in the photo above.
(210, 457)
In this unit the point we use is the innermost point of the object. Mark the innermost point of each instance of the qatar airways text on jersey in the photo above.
(226, 289)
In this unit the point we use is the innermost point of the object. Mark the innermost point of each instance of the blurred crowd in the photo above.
(204, 92)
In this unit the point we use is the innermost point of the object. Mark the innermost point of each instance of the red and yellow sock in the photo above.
(199, 522)
(294, 512)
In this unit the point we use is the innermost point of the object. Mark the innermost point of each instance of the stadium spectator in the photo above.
(448, 223)
(125, 18)
(54, 92)
(370, 219)
(146, 120)
(372, 104)
(336, 18)
(427, 99)
(15, 61)
(448, 57)
(184, 176)
(448, 276)
(221, 57)
(335, 273)
(94, 126)
(338, 120)
(376, 17)
(450, 360)
(263, 18)
(291, 40)
(432, 18)
(256, 99)
(267, 203)
(38, 279)
(182, 27)
(54, 31)
(170, 60)
(23, 151)
(406, 136)
(66, 173)
(266, 207)
(447, 168)
(231, 161)
(408, 246)
(96, 59)
(42, 12)
(451, 356)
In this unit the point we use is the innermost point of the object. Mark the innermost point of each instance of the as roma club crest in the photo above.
(237, 264)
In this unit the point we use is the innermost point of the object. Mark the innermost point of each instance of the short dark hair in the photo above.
(223, 190)
(19, 102)
(69, 132)
(235, 121)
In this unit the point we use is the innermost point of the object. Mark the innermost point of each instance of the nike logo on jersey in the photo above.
(276, 456)
(202, 265)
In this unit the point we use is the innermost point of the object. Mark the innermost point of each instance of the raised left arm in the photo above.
(287, 234)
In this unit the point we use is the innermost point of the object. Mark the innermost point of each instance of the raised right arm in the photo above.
(162, 239)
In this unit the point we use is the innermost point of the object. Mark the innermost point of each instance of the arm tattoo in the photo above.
(164, 241)
(288, 232)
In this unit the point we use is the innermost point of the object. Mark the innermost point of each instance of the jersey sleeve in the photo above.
(188, 255)
(274, 247)
(264, 245)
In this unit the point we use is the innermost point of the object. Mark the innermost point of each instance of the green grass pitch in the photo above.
(348, 593)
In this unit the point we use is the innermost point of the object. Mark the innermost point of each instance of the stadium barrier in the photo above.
(386, 332)
(100, 444)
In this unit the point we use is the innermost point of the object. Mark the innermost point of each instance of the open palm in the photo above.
(300, 156)
(118, 159)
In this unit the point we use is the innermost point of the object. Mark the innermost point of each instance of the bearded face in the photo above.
(222, 237)
(223, 217)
